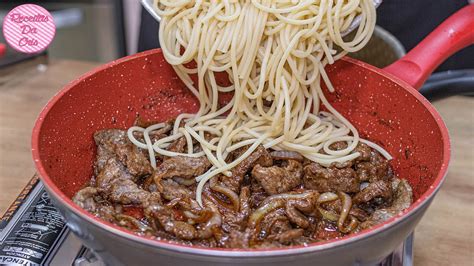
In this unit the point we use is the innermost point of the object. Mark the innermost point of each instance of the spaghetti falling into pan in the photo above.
(276, 164)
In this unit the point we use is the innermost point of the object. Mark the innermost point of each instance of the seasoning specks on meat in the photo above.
(377, 189)
(114, 142)
(180, 166)
(260, 156)
(275, 179)
(330, 179)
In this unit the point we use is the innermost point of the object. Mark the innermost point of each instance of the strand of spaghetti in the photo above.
(204, 178)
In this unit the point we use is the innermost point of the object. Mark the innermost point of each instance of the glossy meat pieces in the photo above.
(376, 189)
(371, 166)
(116, 184)
(336, 207)
(90, 200)
(184, 219)
(257, 193)
(181, 166)
(291, 207)
(402, 199)
(275, 179)
(266, 202)
(326, 231)
(260, 156)
(272, 225)
(115, 143)
(332, 179)
(166, 217)
(297, 208)
(170, 190)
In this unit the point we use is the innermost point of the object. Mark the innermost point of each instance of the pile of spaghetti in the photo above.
(274, 53)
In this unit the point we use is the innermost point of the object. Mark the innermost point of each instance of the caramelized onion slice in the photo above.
(328, 215)
(346, 207)
(266, 208)
(288, 196)
(201, 217)
(134, 221)
(233, 197)
(273, 202)
(327, 196)
(351, 227)
(207, 230)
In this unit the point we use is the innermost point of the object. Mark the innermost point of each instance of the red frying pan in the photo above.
(383, 104)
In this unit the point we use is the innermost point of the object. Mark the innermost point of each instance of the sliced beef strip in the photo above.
(294, 209)
(403, 195)
(257, 194)
(165, 216)
(375, 168)
(172, 218)
(85, 198)
(273, 224)
(301, 210)
(342, 165)
(260, 156)
(378, 189)
(141, 122)
(336, 146)
(115, 143)
(287, 155)
(233, 220)
(171, 190)
(275, 179)
(364, 151)
(155, 134)
(90, 200)
(330, 179)
(111, 170)
(116, 184)
(125, 191)
(344, 180)
(181, 166)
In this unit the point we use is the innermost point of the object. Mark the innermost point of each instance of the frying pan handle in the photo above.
(452, 35)
(449, 83)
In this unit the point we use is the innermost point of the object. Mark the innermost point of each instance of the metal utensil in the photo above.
(149, 6)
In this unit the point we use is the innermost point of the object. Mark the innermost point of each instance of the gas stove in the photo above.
(33, 232)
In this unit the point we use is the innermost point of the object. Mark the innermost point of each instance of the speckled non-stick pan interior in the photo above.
(383, 110)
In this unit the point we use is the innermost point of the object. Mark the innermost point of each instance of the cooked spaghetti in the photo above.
(274, 53)
(281, 171)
